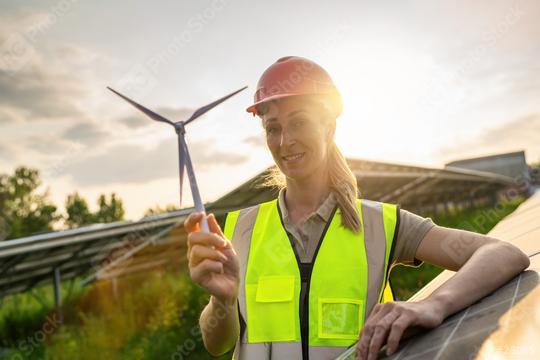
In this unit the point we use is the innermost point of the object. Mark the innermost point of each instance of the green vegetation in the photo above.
(78, 213)
(24, 210)
(159, 210)
(149, 316)
(28, 319)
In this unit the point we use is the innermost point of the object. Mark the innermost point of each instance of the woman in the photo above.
(305, 275)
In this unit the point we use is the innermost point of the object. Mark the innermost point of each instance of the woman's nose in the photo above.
(287, 138)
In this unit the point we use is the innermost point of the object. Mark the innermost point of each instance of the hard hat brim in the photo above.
(253, 108)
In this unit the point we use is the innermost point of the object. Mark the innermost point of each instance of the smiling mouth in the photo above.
(293, 156)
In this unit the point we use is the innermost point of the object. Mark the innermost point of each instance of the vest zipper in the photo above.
(303, 267)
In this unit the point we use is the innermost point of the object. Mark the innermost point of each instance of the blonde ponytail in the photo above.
(343, 183)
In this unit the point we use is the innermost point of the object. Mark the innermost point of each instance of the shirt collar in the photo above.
(324, 211)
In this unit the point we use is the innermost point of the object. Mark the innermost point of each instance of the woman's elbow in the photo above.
(215, 351)
(515, 255)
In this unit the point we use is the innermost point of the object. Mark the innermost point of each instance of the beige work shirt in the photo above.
(412, 229)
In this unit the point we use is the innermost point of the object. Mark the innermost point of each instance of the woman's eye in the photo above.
(271, 130)
(299, 123)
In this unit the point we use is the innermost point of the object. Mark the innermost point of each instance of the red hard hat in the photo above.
(293, 76)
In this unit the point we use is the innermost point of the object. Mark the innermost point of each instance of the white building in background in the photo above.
(511, 164)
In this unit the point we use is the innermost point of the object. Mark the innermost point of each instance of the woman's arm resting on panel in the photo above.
(483, 264)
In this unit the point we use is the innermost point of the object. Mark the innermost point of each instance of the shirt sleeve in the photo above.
(412, 230)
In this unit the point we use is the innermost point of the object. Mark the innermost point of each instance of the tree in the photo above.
(77, 211)
(109, 211)
(24, 211)
(159, 210)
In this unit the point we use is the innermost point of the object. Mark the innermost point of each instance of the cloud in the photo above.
(171, 113)
(175, 114)
(86, 133)
(40, 81)
(9, 115)
(78, 55)
(520, 134)
(6, 153)
(34, 94)
(129, 163)
(135, 122)
(255, 140)
(46, 144)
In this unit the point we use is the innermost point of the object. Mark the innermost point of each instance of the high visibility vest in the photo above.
(333, 310)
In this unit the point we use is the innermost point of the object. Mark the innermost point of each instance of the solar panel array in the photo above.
(101, 250)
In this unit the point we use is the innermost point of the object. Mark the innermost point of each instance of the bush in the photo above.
(154, 316)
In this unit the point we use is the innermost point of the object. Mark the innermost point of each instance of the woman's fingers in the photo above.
(386, 324)
(204, 268)
(362, 348)
(396, 332)
(206, 239)
(191, 223)
(378, 312)
(381, 331)
(210, 241)
(200, 252)
(214, 226)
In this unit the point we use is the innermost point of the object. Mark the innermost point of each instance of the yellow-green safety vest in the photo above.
(334, 306)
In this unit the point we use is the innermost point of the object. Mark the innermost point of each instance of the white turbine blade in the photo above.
(148, 112)
(210, 106)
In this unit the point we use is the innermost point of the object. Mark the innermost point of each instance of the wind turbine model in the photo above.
(183, 154)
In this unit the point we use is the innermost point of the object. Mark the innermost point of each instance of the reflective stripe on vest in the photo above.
(390, 218)
(272, 284)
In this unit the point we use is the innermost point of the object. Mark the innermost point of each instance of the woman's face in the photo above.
(297, 135)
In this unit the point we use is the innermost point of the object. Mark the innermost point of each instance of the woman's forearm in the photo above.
(220, 326)
(490, 267)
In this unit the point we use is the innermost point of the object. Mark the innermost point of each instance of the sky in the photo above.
(423, 83)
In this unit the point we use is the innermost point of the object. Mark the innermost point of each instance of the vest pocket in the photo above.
(271, 309)
(339, 318)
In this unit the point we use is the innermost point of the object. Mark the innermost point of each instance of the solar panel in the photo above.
(504, 324)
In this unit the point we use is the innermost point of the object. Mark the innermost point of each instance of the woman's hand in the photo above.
(213, 263)
(388, 321)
